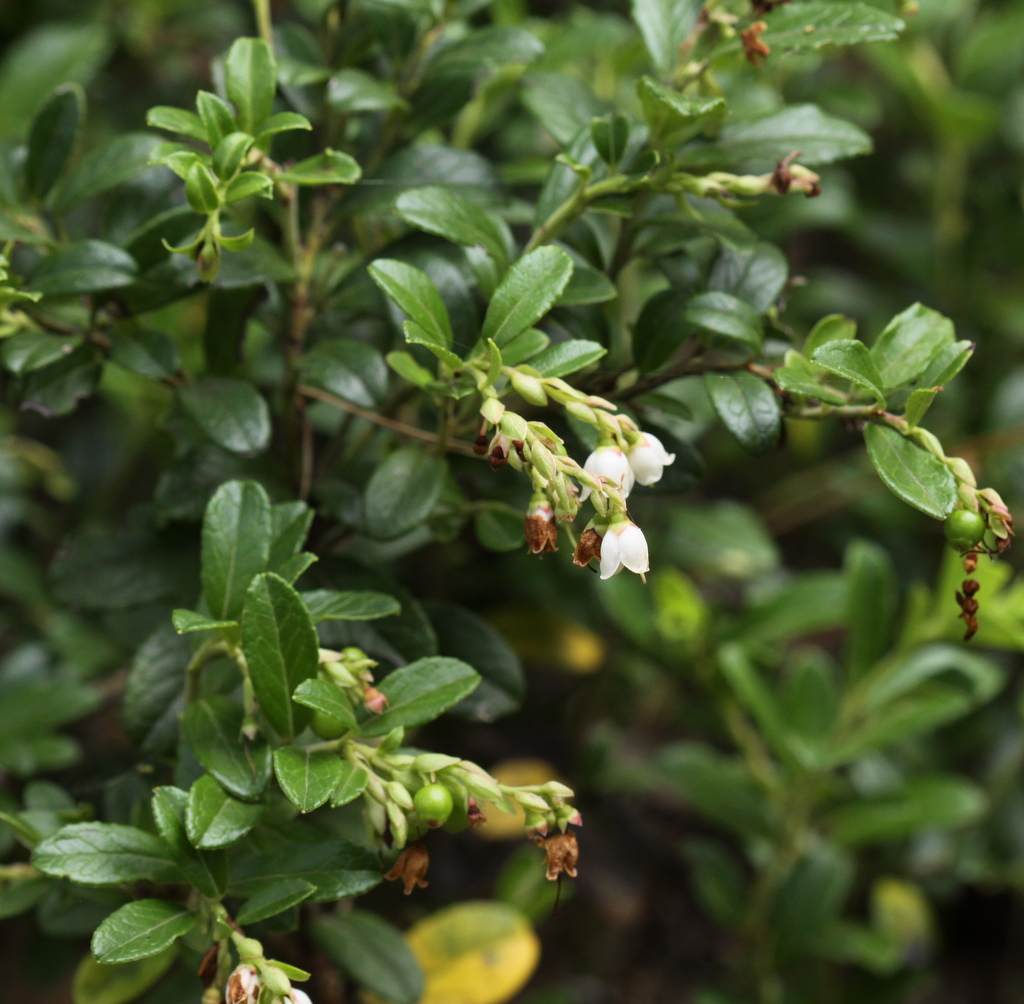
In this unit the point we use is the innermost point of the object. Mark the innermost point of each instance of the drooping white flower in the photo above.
(299, 996)
(608, 461)
(624, 546)
(649, 458)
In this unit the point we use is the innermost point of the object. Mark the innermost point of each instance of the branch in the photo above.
(453, 445)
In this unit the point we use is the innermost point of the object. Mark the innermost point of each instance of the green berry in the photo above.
(964, 529)
(327, 726)
(433, 804)
(458, 820)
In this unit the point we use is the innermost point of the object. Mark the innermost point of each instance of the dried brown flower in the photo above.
(541, 530)
(588, 548)
(563, 852)
(411, 867)
(753, 48)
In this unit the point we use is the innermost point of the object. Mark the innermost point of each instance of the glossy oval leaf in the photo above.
(747, 408)
(911, 473)
(213, 731)
(526, 294)
(232, 413)
(140, 929)
(307, 777)
(214, 819)
(105, 854)
(402, 492)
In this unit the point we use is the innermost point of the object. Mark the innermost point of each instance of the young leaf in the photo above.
(438, 211)
(911, 473)
(833, 328)
(326, 697)
(281, 648)
(674, 119)
(402, 492)
(105, 854)
(206, 870)
(421, 692)
(212, 729)
(665, 25)
(236, 545)
(414, 293)
(274, 899)
(140, 929)
(177, 120)
(747, 408)
(332, 605)
(850, 359)
(373, 953)
(214, 819)
(232, 413)
(189, 621)
(307, 777)
(350, 785)
(52, 139)
(251, 81)
(327, 168)
(909, 343)
(526, 294)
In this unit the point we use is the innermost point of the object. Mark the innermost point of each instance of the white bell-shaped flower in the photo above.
(649, 458)
(624, 546)
(299, 996)
(608, 461)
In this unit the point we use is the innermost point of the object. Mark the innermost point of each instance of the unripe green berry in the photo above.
(433, 804)
(327, 726)
(275, 980)
(249, 948)
(964, 529)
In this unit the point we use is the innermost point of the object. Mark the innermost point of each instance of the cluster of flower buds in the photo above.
(350, 669)
(258, 980)
(624, 456)
(11, 321)
(787, 177)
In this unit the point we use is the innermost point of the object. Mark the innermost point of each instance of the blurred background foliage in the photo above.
(903, 870)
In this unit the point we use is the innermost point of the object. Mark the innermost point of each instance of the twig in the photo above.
(453, 445)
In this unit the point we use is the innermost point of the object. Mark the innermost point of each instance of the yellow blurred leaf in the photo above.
(545, 639)
(474, 953)
(519, 771)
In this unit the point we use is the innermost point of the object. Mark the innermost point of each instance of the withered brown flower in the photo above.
(541, 533)
(589, 547)
(411, 867)
(753, 48)
(563, 852)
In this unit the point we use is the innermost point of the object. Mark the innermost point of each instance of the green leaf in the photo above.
(939, 802)
(32, 350)
(872, 598)
(911, 473)
(851, 360)
(206, 870)
(246, 184)
(212, 729)
(731, 322)
(665, 25)
(105, 854)
(332, 605)
(352, 369)
(86, 267)
(402, 492)
(415, 335)
(140, 929)
(177, 120)
(499, 527)
(281, 648)
(214, 819)
(283, 122)
(421, 692)
(232, 413)
(52, 139)
(758, 144)
(96, 983)
(109, 165)
(290, 522)
(251, 82)
(353, 90)
(819, 23)
(757, 277)
(464, 635)
(800, 377)
(274, 899)
(438, 211)
(236, 545)
(307, 777)
(674, 119)
(946, 363)
(908, 344)
(586, 285)
(526, 294)
(414, 293)
(350, 785)
(43, 58)
(154, 686)
(146, 352)
(189, 621)
(747, 408)
(918, 404)
(217, 117)
(327, 168)
(338, 868)
(833, 328)
(563, 104)
(320, 695)
(660, 329)
(373, 953)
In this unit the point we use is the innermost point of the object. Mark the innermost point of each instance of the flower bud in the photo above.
(392, 740)
(492, 409)
(528, 800)
(514, 426)
(374, 700)
(529, 388)
(399, 794)
(581, 411)
(536, 823)
(962, 471)
(481, 785)
(399, 824)
(543, 460)
(376, 817)
(208, 260)
(249, 948)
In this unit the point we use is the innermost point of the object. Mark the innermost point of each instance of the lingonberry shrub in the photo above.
(436, 262)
